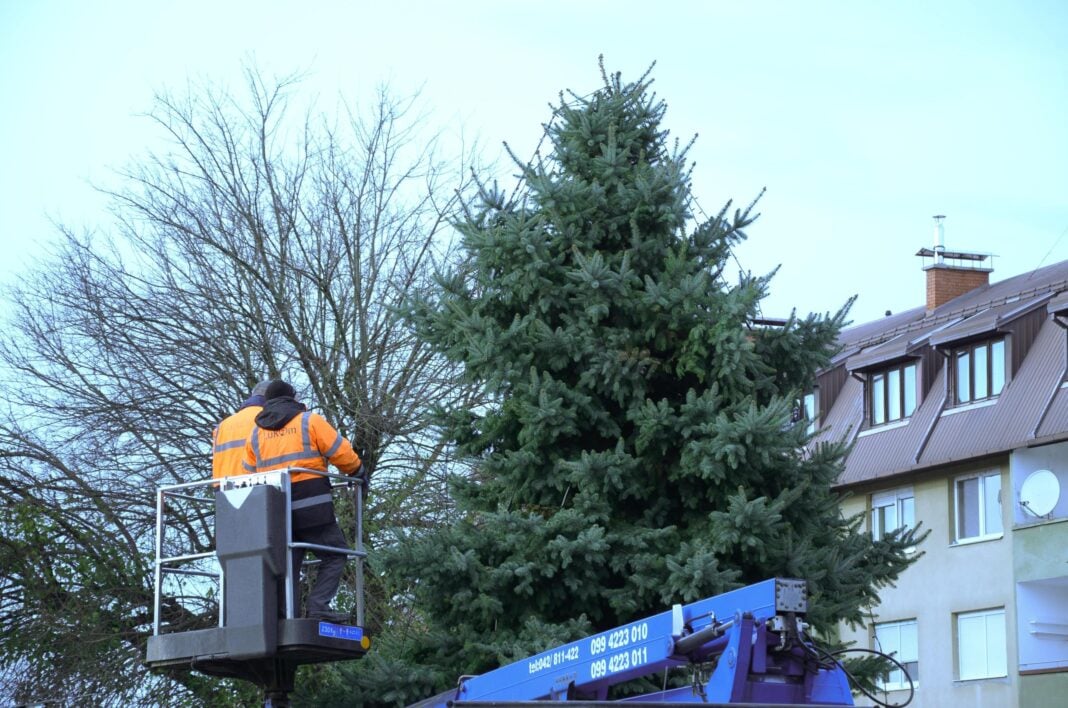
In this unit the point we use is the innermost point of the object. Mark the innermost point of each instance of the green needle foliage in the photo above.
(640, 449)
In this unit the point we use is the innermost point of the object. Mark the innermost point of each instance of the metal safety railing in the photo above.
(173, 495)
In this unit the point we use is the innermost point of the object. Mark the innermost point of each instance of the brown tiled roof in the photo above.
(1055, 422)
(843, 420)
(1011, 421)
(988, 320)
(1051, 278)
(879, 330)
(897, 347)
(1032, 409)
(1059, 303)
(892, 450)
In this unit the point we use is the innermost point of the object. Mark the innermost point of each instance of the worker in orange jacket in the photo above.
(286, 434)
(229, 437)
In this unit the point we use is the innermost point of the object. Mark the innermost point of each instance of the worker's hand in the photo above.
(364, 476)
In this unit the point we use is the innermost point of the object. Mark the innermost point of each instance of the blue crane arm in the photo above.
(756, 629)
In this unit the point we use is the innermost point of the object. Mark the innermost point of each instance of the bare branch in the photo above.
(262, 243)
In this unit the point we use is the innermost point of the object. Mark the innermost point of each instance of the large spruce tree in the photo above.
(641, 449)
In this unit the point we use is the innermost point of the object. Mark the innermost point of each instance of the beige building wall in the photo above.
(947, 579)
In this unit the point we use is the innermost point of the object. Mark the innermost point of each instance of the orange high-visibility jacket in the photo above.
(228, 442)
(305, 441)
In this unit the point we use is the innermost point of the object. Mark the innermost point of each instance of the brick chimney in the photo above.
(951, 273)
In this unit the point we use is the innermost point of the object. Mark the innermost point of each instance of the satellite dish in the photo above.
(1040, 492)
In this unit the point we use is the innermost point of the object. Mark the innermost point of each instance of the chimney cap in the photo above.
(957, 255)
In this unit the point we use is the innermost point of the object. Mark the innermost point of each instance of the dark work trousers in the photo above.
(330, 566)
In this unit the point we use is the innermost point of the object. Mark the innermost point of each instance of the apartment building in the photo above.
(957, 412)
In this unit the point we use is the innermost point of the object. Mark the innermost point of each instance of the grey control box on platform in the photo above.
(250, 540)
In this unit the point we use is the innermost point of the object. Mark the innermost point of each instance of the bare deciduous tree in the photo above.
(256, 245)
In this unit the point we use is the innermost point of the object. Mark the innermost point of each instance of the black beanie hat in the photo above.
(280, 389)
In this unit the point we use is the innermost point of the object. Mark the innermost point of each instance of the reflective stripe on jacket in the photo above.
(307, 440)
(228, 442)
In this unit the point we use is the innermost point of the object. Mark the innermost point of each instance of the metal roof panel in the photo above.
(885, 451)
(1059, 303)
(1008, 421)
(988, 320)
(1032, 409)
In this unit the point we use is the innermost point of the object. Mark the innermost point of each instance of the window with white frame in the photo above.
(898, 639)
(808, 410)
(892, 510)
(977, 506)
(892, 394)
(981, 645)
(979, 371)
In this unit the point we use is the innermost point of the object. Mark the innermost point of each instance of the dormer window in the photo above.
(892, 394)
(979, 371)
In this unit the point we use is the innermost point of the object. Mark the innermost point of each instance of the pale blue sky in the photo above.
(862, 119)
